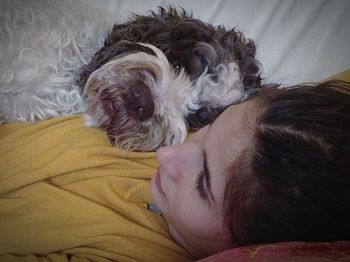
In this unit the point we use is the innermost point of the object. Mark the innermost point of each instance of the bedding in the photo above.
(284, 252)
(67, 195)
(63, 188)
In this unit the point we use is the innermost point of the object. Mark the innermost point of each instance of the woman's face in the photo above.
(190, 182)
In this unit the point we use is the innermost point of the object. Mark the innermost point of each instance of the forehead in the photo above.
(231, 130)
(226, 138)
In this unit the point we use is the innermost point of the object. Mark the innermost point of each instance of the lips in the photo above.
(158, 182)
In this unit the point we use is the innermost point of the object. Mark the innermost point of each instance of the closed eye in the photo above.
(200, 186)
(203, 185)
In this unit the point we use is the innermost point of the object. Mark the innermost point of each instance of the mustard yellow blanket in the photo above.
(67, 195)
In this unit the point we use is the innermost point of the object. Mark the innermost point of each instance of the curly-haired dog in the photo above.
(140, 100)
(221, 63)
(127, 88)
(42, 57)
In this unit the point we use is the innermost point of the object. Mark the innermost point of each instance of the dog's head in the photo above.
(140, 100)
(221, 63)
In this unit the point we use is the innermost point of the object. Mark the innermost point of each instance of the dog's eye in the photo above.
(115, 106)
(177, 65)
(140, 110)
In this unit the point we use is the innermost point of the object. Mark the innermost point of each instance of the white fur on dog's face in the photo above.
(112, 91)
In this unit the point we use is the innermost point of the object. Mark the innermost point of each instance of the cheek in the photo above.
(195, 226)
(178, 201)
(188, 212)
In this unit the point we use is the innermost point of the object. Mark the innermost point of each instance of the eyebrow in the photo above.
(207, 175)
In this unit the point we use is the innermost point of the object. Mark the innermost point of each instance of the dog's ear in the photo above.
(234, 45)
(244, 54)
(249, 66)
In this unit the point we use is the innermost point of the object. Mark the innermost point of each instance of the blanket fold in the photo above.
(67, 195)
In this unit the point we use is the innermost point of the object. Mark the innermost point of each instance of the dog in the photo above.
(140, 100)
(221, 63)
(143, 82)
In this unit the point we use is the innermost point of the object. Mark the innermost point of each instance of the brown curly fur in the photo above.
(179, 36)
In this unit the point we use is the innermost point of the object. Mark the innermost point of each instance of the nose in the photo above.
(180, 162)
(170, 161)
(139, 101)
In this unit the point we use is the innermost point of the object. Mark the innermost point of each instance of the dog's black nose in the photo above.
(139, 101)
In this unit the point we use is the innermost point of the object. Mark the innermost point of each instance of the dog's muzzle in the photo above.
(139, 101)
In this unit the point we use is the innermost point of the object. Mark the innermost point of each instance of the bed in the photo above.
(297, 41)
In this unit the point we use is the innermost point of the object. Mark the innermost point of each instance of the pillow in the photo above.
(289, 251)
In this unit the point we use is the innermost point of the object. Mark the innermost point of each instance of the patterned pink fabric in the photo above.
(290, 251)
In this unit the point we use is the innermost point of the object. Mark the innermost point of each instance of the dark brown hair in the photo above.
(293, 182)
